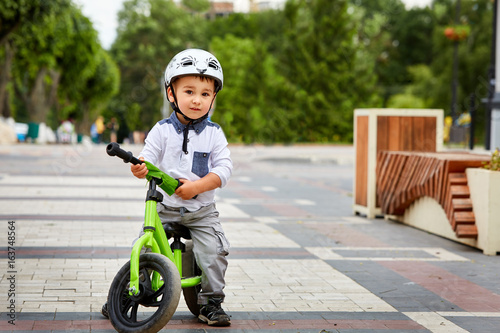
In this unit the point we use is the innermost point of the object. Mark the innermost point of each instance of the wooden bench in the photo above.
(403, 177)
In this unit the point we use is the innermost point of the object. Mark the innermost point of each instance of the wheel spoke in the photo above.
(158, 293)
(133, 313)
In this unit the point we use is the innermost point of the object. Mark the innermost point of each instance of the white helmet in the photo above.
(197, 62)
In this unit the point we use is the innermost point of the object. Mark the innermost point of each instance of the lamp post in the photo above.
(495, 112)
(454, 81)
(492, 130)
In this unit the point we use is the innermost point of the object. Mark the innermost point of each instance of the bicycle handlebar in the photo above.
(113, 149)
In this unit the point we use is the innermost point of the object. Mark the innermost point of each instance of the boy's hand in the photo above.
(139, 170)
(187, 190)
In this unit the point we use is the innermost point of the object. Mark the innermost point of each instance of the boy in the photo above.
(189, 147)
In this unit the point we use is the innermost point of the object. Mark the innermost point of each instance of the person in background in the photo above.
(113, 128)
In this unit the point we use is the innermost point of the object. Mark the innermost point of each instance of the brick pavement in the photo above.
(299, 262)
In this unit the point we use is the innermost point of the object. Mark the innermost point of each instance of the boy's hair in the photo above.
(202, 77)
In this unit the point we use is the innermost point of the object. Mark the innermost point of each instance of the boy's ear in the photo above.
(170, 96)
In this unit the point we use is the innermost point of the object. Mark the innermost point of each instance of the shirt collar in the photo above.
(179, 127)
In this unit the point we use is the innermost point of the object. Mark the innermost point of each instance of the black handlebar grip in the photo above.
(113, 149)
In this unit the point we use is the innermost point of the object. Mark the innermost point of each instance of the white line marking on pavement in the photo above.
(438, 254)
(304, 202)
(434, 322)
(269, 189)
(265, 219)
(243, 179)
(469, 314)
(256, 235)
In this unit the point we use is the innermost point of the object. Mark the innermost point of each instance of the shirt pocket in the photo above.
(200, 164)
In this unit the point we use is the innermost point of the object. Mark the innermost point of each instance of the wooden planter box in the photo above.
(394, 130)
(484, 188)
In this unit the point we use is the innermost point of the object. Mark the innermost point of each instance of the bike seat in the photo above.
(176, 229)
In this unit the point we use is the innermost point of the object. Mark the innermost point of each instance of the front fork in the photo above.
(149, 241)
(154, 238)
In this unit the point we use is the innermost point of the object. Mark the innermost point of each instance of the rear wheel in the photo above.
(151, 309)
(189, 269)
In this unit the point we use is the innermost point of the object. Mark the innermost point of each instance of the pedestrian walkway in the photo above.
(300, 261)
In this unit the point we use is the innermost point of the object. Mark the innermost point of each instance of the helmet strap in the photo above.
(175, 107)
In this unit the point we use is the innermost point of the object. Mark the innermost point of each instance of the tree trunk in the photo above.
(43, 96)
(83, 126)
(5, 76)
(52, 100)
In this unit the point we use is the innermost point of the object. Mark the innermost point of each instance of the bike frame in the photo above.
(154, 238)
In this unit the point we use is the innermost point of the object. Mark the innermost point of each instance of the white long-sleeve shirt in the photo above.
(207, 152)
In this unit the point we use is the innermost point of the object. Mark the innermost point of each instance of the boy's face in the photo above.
(194, 96)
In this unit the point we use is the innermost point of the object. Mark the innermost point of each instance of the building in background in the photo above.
(226, 7)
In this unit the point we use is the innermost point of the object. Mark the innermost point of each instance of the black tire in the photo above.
(189, 269)
(127, 312)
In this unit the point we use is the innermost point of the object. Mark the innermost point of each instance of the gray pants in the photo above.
(210, 245)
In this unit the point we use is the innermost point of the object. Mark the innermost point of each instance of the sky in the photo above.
(103, 14)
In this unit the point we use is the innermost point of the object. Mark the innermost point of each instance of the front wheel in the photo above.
(151, 309)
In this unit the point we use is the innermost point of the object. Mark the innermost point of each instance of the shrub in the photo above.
(494, 164)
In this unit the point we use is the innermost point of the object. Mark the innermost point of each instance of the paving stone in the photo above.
(299, 258)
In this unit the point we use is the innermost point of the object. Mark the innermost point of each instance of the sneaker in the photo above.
(104, 310)
(212, 313)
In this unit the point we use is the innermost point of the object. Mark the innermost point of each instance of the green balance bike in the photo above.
(145, 292)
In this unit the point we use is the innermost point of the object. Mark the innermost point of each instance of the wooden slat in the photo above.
(467, 231)
(457, 178)
(459, 191)
(418, 134)
(394, 133)
(361, 161)
(405, 140)
(429, 143)
(462, 204)
(382, 133)
(465, 218)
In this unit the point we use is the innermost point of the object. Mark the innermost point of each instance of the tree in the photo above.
(321, 58)
(150, 33)
(14, 15)
(98, 90)
(56, 65)
(254, 105)
(38, 44)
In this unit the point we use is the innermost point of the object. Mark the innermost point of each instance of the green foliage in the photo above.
(494, 164)
(247, 108)
(291, 75)
(405, 101)
(58, 63)
(418, 92)
(198, 6)
(327, 68)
